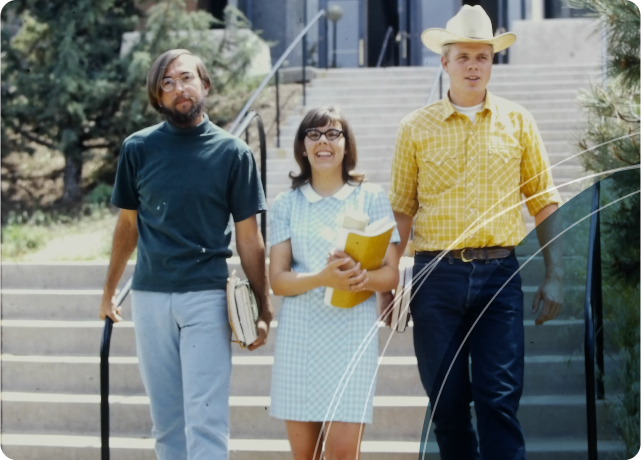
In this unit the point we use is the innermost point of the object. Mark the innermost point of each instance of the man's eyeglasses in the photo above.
(187, 79)
(331, 134)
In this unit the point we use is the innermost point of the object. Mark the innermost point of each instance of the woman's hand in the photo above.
(336, 254)
(352, 279)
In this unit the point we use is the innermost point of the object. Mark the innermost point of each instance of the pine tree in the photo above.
(613, 122)
(67, 86)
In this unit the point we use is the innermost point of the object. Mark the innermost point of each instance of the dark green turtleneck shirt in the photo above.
(185, 185)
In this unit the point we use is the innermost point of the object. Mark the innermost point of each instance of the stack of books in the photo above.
(402, 295)
(242, 310)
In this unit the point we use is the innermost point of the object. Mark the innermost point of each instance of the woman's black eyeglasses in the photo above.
(331, 134)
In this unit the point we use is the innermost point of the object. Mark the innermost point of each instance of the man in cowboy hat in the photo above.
(459, 168)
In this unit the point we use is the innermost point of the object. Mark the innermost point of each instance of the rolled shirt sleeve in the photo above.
(537, 183)
(404, 178)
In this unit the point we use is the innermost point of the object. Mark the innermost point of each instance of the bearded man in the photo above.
(177, 185)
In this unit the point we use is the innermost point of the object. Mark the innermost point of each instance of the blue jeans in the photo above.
(184, 356)
(444, 310)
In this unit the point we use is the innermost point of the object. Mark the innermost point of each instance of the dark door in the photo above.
(215, 7)
(381, 14)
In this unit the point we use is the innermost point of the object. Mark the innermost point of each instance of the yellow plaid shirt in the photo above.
(448, 172)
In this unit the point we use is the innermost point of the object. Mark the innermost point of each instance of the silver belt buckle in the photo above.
(463, 258)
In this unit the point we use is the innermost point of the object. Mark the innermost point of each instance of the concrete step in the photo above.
(82, 305)
(251, 375)
(279, 168)
(395, 418)
(497, 69)
(40, 446)
(61, 276)
(383, 129)
(387, 139)
(559, 150)
(82, 338)
(564, 183)
(339, 91)
(542, 117)
(418, 99)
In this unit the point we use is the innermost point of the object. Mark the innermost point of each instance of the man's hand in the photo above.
(385, 302)
(251, 249)
(262, 325)
(108, 308)
(124, 242)
(551, 294)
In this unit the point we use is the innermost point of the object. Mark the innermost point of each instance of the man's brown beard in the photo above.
(181, 119)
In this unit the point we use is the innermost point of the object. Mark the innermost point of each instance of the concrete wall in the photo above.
(556, 41)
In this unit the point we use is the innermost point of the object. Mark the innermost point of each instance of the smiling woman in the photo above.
(316, 342)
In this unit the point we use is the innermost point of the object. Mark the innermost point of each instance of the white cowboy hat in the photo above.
(470, 25)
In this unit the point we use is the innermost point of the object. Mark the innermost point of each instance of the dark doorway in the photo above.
(215, 7)
(381, 14)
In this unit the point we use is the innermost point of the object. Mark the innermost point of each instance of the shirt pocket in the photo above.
(439, 170)
(504, 164)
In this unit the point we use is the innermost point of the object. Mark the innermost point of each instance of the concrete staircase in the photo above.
(50, 380)
(50, 333)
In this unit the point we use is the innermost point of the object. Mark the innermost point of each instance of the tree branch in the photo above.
(32, 137)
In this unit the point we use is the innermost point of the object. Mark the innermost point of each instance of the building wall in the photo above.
(556, 41)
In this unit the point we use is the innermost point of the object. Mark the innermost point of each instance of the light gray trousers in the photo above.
(184, 354)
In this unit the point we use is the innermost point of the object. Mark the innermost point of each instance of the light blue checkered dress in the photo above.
(317, 373)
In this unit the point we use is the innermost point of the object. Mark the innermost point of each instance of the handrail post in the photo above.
(597, 301)
(589, 333)
(277, 111)
(273, 70)
(323, 48)
(104, 388)
(304, 53)
(263, 172)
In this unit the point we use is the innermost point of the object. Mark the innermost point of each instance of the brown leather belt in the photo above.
(470, 254)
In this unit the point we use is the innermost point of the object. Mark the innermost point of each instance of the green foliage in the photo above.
(620, 19)
(67, 86)
(612, 131)
(101, 194)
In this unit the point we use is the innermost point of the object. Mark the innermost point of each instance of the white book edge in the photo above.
(248, 316)
(407, 294)
(398, 297)
(233, 311)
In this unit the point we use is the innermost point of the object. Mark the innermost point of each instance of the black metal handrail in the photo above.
(122, 294)
(276, 68)
(593, 316)
(390, 31)
(104, 373)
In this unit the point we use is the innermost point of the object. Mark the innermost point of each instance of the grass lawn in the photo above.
(42, 240)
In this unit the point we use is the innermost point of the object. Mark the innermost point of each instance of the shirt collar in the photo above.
(313, 197)
(200, 128)
(448, 109)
